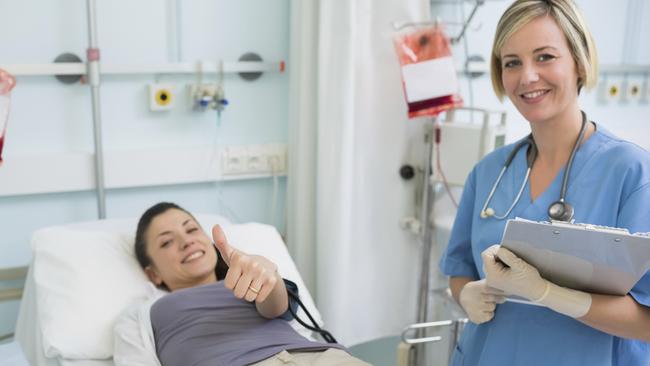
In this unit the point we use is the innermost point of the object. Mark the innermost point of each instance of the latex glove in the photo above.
(480, 300)
(507, 272)
(251, 277)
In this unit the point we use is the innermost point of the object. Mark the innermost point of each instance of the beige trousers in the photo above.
(329, 357)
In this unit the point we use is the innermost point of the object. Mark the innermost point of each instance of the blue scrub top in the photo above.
(609, 184)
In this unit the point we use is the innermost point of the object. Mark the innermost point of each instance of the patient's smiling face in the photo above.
(182, 254)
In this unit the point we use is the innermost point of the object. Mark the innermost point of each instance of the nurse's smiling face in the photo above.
(182, 254)
(539, 72)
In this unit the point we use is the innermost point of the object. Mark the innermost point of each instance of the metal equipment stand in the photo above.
(418, 354)
(426, 236)
(93, 76)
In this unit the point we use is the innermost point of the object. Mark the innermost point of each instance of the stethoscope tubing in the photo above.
(485, 211)
(517, 198)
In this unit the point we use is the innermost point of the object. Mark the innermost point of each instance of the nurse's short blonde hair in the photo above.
(568, 18)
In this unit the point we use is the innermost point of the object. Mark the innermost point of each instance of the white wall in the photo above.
(48, 117)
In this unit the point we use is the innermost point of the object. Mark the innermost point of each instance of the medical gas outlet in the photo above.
(627, 91)
(613, 90)
(633, 90)
(161, 97)
(208, 96)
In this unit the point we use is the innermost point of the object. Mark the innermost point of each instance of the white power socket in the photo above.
(254, 160)
(234, 160)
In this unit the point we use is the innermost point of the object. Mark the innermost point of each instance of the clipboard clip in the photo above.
(592, 227)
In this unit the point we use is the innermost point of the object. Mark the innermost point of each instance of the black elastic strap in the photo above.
(327, 336)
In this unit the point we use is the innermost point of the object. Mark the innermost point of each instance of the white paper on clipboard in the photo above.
(581, 256)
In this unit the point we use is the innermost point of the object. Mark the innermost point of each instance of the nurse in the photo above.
(543, 55)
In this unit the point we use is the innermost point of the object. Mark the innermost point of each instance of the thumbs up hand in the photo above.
(251, 277)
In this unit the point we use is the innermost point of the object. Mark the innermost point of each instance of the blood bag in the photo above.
(7, 83)
(428, 73)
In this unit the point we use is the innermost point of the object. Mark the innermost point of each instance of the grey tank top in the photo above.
(208, 325)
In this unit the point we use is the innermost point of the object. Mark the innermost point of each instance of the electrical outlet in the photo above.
(161, 97)
(254, 160)
(277, 162)
(234, 160)
(276, 156)
(256, 163)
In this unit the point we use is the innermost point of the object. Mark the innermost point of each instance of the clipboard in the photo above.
(592, 258)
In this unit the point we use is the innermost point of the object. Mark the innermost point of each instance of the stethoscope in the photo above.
(559, 210)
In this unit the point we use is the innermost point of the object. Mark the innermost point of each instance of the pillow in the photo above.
(83, 281)
(86, 274)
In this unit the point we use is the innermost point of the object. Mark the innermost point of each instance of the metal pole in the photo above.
(427, 235)
(466, 22)
(93, 79)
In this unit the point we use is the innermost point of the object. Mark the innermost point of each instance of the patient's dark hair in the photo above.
(141, 244)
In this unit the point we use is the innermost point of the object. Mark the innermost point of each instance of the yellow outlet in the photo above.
(613, 91)
(161, 97)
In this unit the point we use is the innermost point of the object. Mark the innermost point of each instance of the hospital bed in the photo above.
(83, 275)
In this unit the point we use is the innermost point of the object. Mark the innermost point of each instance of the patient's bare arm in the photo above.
(252, 277)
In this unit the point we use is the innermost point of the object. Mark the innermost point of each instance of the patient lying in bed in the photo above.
(210, 307)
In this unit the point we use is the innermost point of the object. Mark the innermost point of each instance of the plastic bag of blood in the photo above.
(7, 82)
(428, 74)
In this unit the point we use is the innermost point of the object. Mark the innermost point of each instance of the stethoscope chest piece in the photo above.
(560, 211)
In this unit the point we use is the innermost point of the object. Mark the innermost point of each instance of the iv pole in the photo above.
(428, 196)
(93, 78)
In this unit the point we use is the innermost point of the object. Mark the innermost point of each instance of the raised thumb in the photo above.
(221, 243)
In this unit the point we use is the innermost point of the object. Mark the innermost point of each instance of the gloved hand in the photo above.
(480, 300)
(507, 272)
(516, 277)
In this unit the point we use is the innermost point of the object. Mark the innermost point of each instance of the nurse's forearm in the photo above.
(621, 316)
(456, 284)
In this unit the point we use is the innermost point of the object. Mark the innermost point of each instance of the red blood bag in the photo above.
(7, 83)
(428, 73)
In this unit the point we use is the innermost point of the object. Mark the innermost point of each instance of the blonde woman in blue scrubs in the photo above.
(543, 55)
